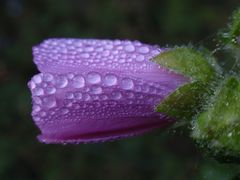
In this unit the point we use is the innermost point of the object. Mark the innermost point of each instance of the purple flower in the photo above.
(96, 90)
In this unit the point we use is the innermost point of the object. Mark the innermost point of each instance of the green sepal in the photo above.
(229, 37)
(218, 128)
(187, 100)
(187, 61)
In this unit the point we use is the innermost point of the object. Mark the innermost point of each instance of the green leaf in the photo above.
(218, 128)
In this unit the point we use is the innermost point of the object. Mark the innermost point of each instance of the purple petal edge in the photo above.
(98, 90)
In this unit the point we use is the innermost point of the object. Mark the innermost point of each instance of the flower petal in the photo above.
(75, 103)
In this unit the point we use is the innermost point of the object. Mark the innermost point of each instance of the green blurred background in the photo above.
(158, 155)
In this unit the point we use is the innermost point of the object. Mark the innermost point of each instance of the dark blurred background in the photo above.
(159, 155)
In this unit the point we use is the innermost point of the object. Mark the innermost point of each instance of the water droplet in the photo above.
(89, 49)
(61, 82)
(43, 114)
(96, 90)
(31, 85)
(69, 95)
(37, 92)
(103, 97)
(116, 95)
(127, 84)
(36, 108)
(47, 77)
(86, 97)
(130, 95)
(129, 48)
(93, 78)
(109, 46)
(37, 100)
(106, 53)
(70, 75)
(50, 90)
(69, 104)
(139, 58)
(64, 111)
(85, 55)
(37, 79)
(110, 80)
(49, 102)
(143, 50)
(78, 81)
(78, 95)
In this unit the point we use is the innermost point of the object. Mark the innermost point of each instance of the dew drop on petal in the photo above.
(31, 85)
(61, 82)
(143, 50)
(47, 77)
(139, 58)
(49, 102)
(96, 90)
(78, 95)
(110, 80)
(64, 111)
(37, 100)
(93, 78)
(37, 79)
(69, 95)
(50, 90)
(129, 48)
(43, 114)
(85, 55)
(36, 108)
(37, 91)
(127, 84)
(116, 95)
(86, 97)
(78, 81)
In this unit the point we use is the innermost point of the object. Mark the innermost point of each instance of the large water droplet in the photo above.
(89, 49)
(78, 95)
(64, 111)
(37, 92)
(49, 102)
(43, 114)
(96, 90)
(85, 55)
(78, 81)
(37, 100)
(50, 90)
(86, 97)
(139, 58)
(103, 97)
(116, 95)
(93, 78)
(129, 48)
(61, 81)
(130, 95)
(37, 79)
(47, 77)
(69, 95)
(36, 108)
(31, 85)
(127, 84)
(143, 50)
(110, 80)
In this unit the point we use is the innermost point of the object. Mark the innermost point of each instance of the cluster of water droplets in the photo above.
(75, 53)
(92, 94)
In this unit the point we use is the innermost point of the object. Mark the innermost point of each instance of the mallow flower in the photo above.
(91, 90)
